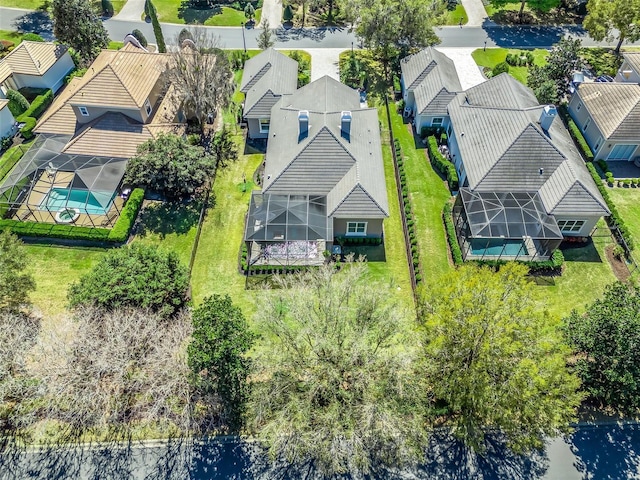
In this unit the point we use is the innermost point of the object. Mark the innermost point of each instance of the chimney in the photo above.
(549, 112)
(345, 125)
(303, 123)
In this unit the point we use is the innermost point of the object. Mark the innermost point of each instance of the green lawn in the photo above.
(26, 4)
(11, 36)
(492, 56)
(428, 195)
(454, 16)
(115, 45)
(627, 201)
(170, 11)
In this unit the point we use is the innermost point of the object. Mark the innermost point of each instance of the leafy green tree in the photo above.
(15, 281)
(139, 276)
(265, 37)
(249, 11)
(563, 59)
(502, 67)
(75, 24)
(333, 385)
(170, 165)
(304, 68)
(287, 14)
(605, 340)
(217, 355)
(547, 93)
(352, 74)
(152, 13)
(606, 18)
(537, 5)
(223, 148)
(107, 8)
(495, 359)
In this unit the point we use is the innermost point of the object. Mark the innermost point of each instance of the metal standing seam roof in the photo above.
(31, 58)
(504, 149)
(614, 107)
(265, 78)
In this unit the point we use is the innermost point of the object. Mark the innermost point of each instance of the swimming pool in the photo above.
(93, 203)
(495, 247)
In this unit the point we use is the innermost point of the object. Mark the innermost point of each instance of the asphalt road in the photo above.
(595, 453)
(232, 37)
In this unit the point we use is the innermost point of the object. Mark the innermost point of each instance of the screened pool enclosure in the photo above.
(287, 229)
(52, 187)
(504, 225)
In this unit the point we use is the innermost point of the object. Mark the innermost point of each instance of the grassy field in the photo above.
(627, 201)
(454, 16)
(171, 11)
(26, 4)
(492, 56)
(11, 36)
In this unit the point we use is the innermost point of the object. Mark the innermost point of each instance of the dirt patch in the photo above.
(619, 267)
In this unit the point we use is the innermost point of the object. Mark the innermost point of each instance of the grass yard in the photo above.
(11, 36)
(428, 196)
(453, 17)
(627, 201)
(115, 45)
(25, 4)
(172, 11)
(492, 56)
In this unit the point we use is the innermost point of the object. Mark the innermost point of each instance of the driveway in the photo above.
(324, 61)
(469, 73)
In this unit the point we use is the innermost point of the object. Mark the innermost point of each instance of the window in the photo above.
(586, 125)
(570, 226)
(578, 107)
(147, 106)
(449, 130)
(597, 146)
(356, 228)
(437, 121)
(83, 111)
(264, 125)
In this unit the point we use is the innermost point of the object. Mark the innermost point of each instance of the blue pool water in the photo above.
(496, 247)
(87, 202)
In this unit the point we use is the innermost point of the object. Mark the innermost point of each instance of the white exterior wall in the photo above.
(426, 120)
(6, 122)
(587, 228)
(53, 79)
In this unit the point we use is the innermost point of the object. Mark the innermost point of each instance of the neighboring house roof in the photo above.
(633, 59)
(503, 148)
(3, 103)
(31, 58)
(433, 78)
(266, 77)
(349, 171)
(614, 107)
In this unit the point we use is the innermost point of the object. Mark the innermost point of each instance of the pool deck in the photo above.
(30, 211)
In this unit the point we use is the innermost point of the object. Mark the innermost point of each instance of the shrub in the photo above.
(17, 103)
(502, 67)
(76, 73)
(140, 37)
(576, 134)
(442, 164)
(120, 231)
(107, 8)
(456, 253)
(32, 37)
(603, 166)
(287, 14)
(184, 34)
(29, 125)
(39, 105)
(48, 230)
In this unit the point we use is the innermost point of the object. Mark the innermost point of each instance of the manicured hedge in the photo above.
(576, 134)
(70, 232)
(614, 220)
(441, 164)
(27, 128)
(37, 108)
(120, 231)
(456, 253)
(373, 241)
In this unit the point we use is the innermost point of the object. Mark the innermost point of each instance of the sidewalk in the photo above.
(476, 12)
(132, 11)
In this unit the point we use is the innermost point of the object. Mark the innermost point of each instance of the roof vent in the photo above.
(541, 171)
(345, 125)
(303, 124)
(549, 112)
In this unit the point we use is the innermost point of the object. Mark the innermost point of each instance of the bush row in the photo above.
(373, 241)
(408, 211)
(576, 134)
(441, 164)
(614, 220)
(30, 117)
(120, 231)
(520, 60)
(454, 247)
(70, 232)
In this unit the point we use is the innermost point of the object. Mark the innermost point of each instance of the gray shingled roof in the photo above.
(266, 77)
(324, 163)
(614, 107)
(503, 148)
(434, 79)
(634, 60)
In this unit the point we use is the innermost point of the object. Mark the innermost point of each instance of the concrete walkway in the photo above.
(324, 61)
(476, 12)
(468, 71)
(271, 11)
(132, 11)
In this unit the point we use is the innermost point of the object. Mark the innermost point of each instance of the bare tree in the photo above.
(201, 75)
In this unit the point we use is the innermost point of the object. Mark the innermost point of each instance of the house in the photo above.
(629, 71)
(524, 186)
(429, 82)
(88, 134)
(7, 121)
(608, 115)
(265, 79)
(35, 65)
(323, 177)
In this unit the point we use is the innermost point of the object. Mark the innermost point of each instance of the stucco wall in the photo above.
(592, 134)
(6, 122)
(374, 226)
(254, 128)
(587, 228)
(425, 121)
(53, 78)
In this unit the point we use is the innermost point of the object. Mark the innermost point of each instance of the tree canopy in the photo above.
(563, 59)
(138, 276)
(265, 38)
(606, 18)
(333, 385)
(170, 165)
(605, 340)
(75, 24)
(15, 282)
(538, 5)
(494, 359)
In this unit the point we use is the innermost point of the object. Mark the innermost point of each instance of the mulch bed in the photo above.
(619, 267)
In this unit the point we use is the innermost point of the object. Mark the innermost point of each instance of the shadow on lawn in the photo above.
(168, 217)
(581, 252)
(197, 15)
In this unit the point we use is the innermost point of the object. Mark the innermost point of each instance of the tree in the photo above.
(287, 14)
(75, 24)
(15, 282)
(171, 166)
(32, 37)
(224, 148)
(547, 93)
(352, 73)
(184, 34)
(605, 18)
(304, 68)
(333, 386)
(502, 67)
(604, 339)
(217, 356)
(563, 59)
(152, 13)
(265, 38)
(139, 276)
(107, 8)
(249, 11)
(494, 359)
(201, 76)
(537, 5)
(140, 37)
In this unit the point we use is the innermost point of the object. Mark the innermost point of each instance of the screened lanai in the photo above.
(53, 187)
(504, 225)
(287, 229)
